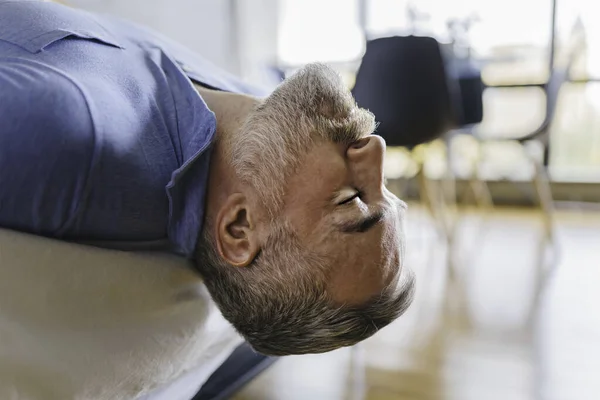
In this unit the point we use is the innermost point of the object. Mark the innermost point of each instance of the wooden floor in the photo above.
(515, 321)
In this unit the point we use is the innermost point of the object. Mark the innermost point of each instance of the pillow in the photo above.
(89, 323)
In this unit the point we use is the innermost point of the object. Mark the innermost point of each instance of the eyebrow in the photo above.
(362, 225)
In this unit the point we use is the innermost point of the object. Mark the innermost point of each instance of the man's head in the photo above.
(302, 248)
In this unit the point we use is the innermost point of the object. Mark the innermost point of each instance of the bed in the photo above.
(89, 323)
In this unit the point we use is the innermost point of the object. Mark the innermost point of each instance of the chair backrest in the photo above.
(559, 75)
(467, 94)
(403, 81)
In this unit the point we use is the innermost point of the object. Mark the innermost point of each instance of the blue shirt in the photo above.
(103, 137)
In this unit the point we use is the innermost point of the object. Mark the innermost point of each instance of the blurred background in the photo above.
(261, 40)
(491, 110)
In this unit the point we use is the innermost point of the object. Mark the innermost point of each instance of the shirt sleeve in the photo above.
(46, 148)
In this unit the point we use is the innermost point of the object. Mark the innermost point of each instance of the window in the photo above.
(319, 30)
(510, 41)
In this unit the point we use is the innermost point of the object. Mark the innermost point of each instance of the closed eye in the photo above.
(349, 199)
(362, 225)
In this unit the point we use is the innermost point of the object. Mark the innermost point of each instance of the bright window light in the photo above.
(319, 30)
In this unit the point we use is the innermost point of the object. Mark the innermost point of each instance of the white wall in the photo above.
(258, 33)
(206, 26)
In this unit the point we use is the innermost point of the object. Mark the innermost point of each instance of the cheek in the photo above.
(308, 197)
(326, 178)
(324, 167)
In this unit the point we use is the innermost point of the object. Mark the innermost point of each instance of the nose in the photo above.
(366, 163)
(372, 147)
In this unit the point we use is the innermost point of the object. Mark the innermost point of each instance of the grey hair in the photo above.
(280, 302)
(312, 105)
(280, 305)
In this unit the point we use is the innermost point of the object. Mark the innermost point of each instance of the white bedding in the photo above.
(79, 322)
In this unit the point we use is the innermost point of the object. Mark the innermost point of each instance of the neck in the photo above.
(231, 111)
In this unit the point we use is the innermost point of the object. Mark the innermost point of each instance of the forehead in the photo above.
(358, 265)
(362, 265)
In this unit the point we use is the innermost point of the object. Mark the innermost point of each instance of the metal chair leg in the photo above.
(428, 196)
(480, 189)
(433, 195)
(545, 200)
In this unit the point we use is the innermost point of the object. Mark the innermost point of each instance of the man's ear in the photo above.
(236, 234)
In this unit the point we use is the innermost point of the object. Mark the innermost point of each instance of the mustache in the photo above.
(347, 131)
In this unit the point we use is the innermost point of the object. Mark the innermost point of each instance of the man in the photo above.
(114, 136)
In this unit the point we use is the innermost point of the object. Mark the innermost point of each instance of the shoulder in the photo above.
(47, 142)
(36, 96)
(41, 106)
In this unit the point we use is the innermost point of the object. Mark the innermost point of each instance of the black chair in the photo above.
(418, 92)
(559, 75)
(466, 89)
(403, 81)
(559, 69)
